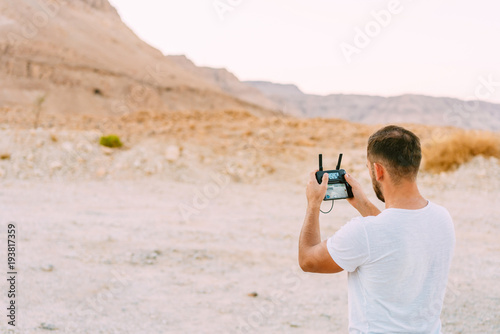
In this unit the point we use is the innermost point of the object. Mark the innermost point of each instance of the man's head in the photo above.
(398, 152)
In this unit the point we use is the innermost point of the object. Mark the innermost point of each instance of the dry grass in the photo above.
(280, 138)
(458, 148)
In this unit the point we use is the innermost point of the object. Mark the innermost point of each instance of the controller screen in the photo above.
(333, 176)
(336, 191)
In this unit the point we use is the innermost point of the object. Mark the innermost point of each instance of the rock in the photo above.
(106, 150)
(47, 267)
(159, 167)
(55, 165)
(153, 255)
(149, 170)
(49, 327)
(202, 256)
(101, 172)
(67, 146)
(84, 146)
(172, 153)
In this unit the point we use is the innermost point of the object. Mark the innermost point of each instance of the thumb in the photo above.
(325, 179)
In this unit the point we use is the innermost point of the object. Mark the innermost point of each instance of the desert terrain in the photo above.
(192, 226)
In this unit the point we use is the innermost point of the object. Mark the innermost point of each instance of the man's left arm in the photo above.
(313, 253)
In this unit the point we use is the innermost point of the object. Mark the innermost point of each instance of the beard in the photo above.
(377, 188)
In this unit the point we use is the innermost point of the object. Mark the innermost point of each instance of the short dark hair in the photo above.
(398, 149)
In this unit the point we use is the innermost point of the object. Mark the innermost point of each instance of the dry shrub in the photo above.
(237, 114)
(458, 148)
(303, 141)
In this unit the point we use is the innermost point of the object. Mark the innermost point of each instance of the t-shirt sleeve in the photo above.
(349, 246)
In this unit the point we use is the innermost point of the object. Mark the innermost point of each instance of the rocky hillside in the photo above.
(440, 111)
(79, 57)
(227, 82)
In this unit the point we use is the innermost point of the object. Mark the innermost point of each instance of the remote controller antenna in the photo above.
(321, 162)
(339, 162)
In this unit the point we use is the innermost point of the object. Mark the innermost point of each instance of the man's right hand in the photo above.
(360, 202)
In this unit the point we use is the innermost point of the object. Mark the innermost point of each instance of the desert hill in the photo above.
(227, 82)
(439, 111)
(82, 58)
(78, 57)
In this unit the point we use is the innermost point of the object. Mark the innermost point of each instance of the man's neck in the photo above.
(405, 196)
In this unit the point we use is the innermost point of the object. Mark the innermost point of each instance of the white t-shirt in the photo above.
(397, 265)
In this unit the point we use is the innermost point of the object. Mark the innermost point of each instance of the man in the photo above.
(398, 259)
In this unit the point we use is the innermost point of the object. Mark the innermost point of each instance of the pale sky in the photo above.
(438, 48)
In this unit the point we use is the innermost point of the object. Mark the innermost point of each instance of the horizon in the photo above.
(378, 48)
(371, 95)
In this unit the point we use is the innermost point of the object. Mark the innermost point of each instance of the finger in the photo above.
(349, 178)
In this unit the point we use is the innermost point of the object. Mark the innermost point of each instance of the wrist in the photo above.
(313, 206)
(369, 209)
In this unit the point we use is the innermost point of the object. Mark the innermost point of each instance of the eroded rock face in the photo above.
(82, 58)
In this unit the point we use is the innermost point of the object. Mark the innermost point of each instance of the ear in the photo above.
(379, 171)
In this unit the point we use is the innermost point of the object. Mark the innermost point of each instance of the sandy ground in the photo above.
(155, 255)
(193, 226)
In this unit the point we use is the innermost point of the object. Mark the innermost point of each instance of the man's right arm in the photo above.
(360, 202)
